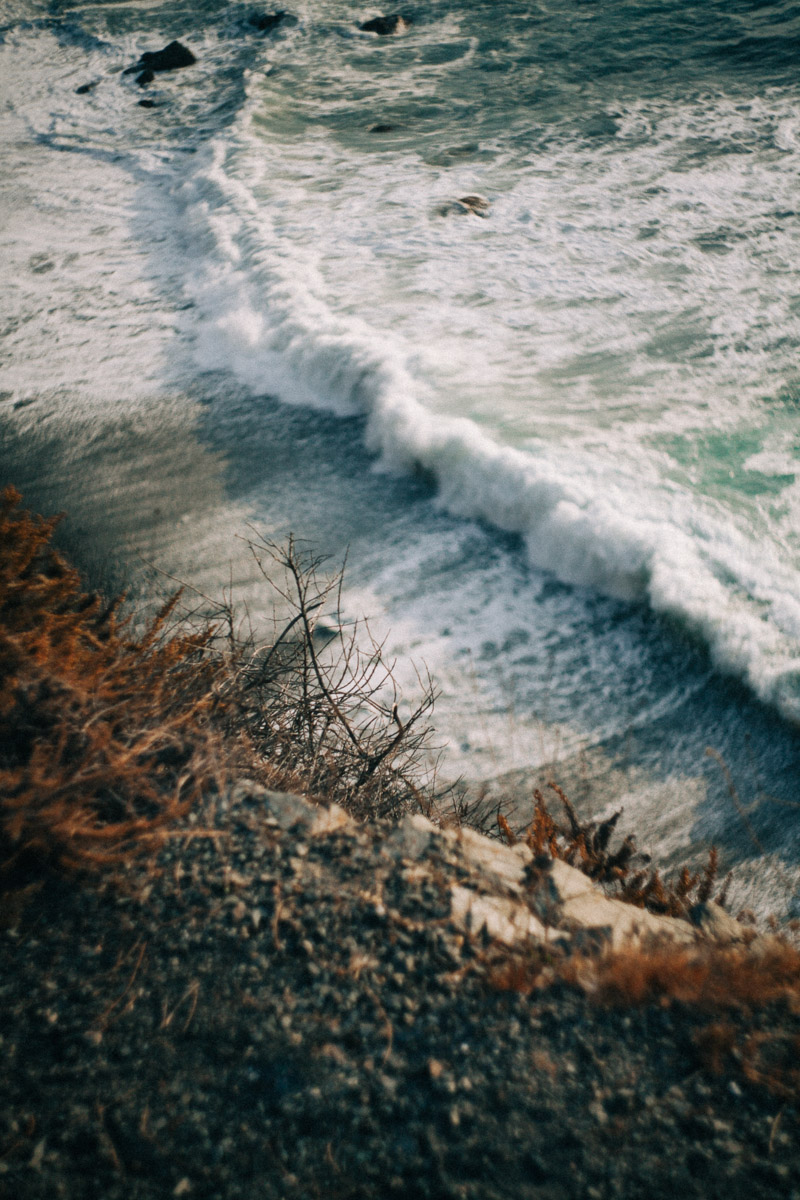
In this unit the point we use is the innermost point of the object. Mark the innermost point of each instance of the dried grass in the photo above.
(106, 737)
(708, 976)
(109, 736)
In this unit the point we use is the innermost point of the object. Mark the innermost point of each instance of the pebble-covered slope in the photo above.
(288, 1009)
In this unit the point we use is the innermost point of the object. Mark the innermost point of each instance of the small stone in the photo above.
(235, 879)
(38, 1155)
(183, 1187)
(329, 820)
(288, 809)
(411, 838)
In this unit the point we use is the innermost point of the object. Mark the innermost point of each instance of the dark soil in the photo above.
(275, 1015)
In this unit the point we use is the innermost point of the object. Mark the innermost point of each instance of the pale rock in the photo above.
(625, 925)
(713, 921)
(287, 809)
(503, 918)
(411, 837)
(506, 863)
(583, 904)
(329, 820)
(568, 882)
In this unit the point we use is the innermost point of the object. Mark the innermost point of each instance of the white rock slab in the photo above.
(506, 863)
(503, 918)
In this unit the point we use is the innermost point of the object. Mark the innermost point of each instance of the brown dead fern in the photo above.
(622, 869)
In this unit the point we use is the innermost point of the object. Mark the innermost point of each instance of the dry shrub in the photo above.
(105, 736)
(322, 700)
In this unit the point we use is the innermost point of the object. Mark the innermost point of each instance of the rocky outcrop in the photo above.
(172, 58)
(385, 26)
(504, 890)
(515, 896)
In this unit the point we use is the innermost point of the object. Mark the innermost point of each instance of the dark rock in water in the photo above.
(386, 25)
(601, 125)
(381, 128)
(266, 22)
(476, 206)
(146, 77)
(171, 58)
(85, 87)
(147, 104)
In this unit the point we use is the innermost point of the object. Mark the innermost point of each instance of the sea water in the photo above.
(558, 441)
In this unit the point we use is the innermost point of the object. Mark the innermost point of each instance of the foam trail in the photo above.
(593, 521)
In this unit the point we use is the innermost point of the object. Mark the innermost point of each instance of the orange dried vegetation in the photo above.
(105, 735)
(588, 846)
(706, 976)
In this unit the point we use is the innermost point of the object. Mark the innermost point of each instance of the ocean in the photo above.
(556, 432)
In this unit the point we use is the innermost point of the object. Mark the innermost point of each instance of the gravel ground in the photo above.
(283, 1015)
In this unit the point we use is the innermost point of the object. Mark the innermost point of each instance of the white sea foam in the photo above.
(597, 510)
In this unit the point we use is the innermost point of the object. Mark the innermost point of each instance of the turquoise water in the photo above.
(560, 440)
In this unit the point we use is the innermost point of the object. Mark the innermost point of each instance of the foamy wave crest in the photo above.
(595, 523)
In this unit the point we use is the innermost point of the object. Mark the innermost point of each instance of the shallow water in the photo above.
(558, 443)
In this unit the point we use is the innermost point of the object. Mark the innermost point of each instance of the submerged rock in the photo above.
(85, 87)
(266, 22)
(473, 205)
(384, 26)
(171, 58)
